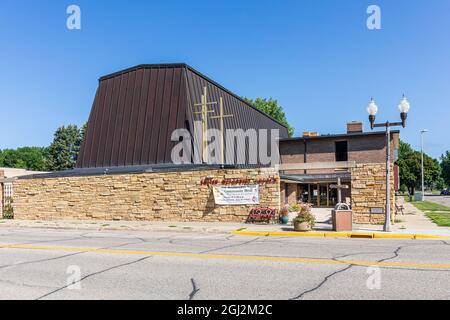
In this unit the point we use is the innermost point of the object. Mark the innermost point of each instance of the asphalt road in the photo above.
(444, 200)
(68, 264)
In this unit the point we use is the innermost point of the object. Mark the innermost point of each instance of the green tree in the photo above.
(63, 152)
(445, 167)
(83, 131)
(410, 164)
(30, 158)
(432, 173)
(273, 109)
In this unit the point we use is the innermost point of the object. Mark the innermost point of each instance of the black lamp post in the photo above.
(372, 109)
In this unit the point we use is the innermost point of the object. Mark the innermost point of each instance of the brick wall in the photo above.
(369, 191)
(171, 196)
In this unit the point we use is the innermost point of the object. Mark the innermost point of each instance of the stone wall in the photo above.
(168, 196)
(2, 176)
(369, 192)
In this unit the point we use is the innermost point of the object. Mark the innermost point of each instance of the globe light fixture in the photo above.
(404, 107)
(372, 109)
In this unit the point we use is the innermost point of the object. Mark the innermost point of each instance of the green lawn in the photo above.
(438, 213)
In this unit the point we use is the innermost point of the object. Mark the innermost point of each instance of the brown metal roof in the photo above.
(136, 110)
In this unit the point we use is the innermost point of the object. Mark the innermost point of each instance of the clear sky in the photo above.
(317, 57)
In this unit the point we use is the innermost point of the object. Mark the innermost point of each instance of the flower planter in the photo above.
(284, 219)
(302, 227)
(292, 216)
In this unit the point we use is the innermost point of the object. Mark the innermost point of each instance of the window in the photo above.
(341, 151)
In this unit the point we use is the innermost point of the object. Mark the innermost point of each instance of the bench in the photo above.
(399, 209)
(266, 215)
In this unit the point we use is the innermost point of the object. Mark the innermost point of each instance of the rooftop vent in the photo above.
(355, 127)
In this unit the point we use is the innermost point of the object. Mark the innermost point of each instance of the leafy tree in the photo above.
(432, 173)
(30, 158)
(410, 164)
(410, 167)
(63, 152)
(83, 131)
(445, 166)
(273, 109)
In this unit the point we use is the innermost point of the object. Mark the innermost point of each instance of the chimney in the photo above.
(355, 127)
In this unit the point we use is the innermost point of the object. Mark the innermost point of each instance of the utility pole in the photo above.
(422, 166)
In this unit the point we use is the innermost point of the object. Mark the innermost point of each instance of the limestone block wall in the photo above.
(369, 192)
(2, 176)
(1, 200)
(168, 196)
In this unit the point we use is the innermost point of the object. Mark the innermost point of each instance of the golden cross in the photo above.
(222, 116)
(204, 113)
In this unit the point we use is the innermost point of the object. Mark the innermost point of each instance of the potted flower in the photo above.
(284, 215)
(305, 220)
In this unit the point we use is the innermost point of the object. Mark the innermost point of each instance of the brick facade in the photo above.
(169, 196)
(292, 193)
(361, 149)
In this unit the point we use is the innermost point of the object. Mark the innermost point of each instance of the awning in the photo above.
(316, 178)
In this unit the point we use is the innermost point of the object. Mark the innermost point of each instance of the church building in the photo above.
(166, 143)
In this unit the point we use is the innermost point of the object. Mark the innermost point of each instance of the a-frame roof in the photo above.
(136, 110)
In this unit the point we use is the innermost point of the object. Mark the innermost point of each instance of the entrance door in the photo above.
(324, 201)
(333, 197)
(314, 197)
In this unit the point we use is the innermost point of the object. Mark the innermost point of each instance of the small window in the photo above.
(341, 151)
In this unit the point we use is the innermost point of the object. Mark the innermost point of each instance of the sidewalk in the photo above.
(414, 224)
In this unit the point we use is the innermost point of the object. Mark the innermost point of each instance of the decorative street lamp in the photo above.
(372, 109)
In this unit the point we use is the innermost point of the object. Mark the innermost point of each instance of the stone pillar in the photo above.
(369, 193)
(2, 176)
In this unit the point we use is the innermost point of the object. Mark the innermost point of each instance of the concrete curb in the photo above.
(99, 228)
(350, 235)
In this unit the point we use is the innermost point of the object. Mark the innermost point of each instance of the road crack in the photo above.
(300, 296)
(92, 275)
(396, 254)
(230, 246)
(41, 260)
(328, 277)
(195, 290)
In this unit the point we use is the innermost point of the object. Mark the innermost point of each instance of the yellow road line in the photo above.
(339, 235)
(234, 257)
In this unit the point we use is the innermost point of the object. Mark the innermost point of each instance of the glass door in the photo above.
(323, 195)
(314, 197)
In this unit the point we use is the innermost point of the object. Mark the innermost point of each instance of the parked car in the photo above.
(445, 192)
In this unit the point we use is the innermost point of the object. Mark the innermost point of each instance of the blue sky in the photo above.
(317, 57)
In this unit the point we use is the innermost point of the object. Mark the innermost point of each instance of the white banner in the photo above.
(237, 195)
